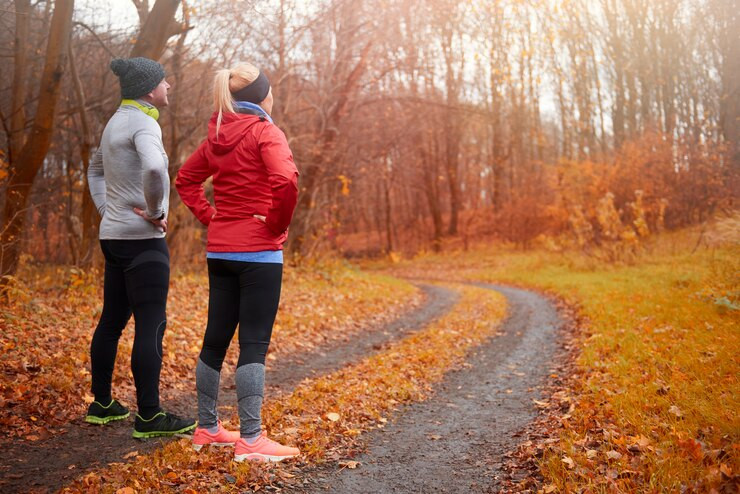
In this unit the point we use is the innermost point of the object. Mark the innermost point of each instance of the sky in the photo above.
(121, 14)
(118, 13)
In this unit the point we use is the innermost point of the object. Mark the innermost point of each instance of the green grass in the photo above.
(658, 364)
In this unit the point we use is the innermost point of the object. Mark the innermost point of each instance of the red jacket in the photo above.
(253, 173)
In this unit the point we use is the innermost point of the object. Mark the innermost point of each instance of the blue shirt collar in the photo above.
(253, 106)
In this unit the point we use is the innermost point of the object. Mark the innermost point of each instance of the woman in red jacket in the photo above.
(255, 184)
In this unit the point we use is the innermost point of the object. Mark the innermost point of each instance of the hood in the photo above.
(233, 128)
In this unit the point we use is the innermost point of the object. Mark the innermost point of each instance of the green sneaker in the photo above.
(163, 424)
(99, 414)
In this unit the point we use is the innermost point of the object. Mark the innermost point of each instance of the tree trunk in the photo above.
(388, 216)
(431, 191)
(730, 99)
(24, 167)
(452, 131)
(20, 55)
(158, 27)
(88, 216)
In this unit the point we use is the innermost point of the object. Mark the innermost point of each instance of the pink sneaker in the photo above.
(202, 437)
(263, 449)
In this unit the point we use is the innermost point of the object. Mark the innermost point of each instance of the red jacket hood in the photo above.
(233, 128)
(253, 176)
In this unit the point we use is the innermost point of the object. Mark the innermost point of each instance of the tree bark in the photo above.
(730, 98)
(24, 167)
(158, 27)
(20, 59)
(88, 210)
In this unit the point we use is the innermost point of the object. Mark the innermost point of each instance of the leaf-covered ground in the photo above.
(653, 403)
(326, 416)
(45, 334)
(649, 404)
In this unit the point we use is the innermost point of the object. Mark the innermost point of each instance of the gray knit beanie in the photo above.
(138, 76)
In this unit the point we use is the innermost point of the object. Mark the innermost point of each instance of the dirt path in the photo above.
(48, 465)
(455, 441)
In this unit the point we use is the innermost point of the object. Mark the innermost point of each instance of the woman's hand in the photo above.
(158, 223)
(260, 217)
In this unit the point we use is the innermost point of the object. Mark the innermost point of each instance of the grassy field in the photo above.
(657, 372)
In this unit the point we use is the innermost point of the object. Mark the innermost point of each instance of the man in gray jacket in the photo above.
(130, 186)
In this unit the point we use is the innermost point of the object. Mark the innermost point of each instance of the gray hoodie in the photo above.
(130, 170)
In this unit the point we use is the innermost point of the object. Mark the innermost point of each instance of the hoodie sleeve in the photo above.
(96, 181)
(148, 142)
(189, 184)
(282, 175)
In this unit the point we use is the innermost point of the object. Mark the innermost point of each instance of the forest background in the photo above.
(552, 144)
(574, 123)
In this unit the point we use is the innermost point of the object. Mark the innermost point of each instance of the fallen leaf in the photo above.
(569, 462)
(130, 455)
(349, 464)
(125, 490)
(591, 454)
(435, 437)
(676, 411)
(613, 455)
(333, 416)
(171, 476)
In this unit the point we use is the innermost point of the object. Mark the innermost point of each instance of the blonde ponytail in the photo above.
(228, 81)
(222, 100)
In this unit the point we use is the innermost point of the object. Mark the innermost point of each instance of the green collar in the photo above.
(149, 110)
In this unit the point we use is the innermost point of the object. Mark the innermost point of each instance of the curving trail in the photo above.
(48, 465)
(455, 441)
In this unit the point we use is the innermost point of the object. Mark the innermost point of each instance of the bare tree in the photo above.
(24, 165)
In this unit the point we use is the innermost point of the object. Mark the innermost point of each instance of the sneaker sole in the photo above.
(198, 447)
(92, 419)
(261, 457)
(149, 435)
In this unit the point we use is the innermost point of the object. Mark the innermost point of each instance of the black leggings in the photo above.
(243, 293)
(137, 275)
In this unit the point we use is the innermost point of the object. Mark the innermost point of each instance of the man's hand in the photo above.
(159, 223)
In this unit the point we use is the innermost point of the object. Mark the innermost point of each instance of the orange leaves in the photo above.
(399, 374)
(325, 416)
(44, 345)
(345, 184)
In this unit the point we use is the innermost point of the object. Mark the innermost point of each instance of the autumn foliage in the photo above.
(646, 400)
(46, 332)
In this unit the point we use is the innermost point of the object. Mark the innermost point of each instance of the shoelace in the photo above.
(270, 441)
